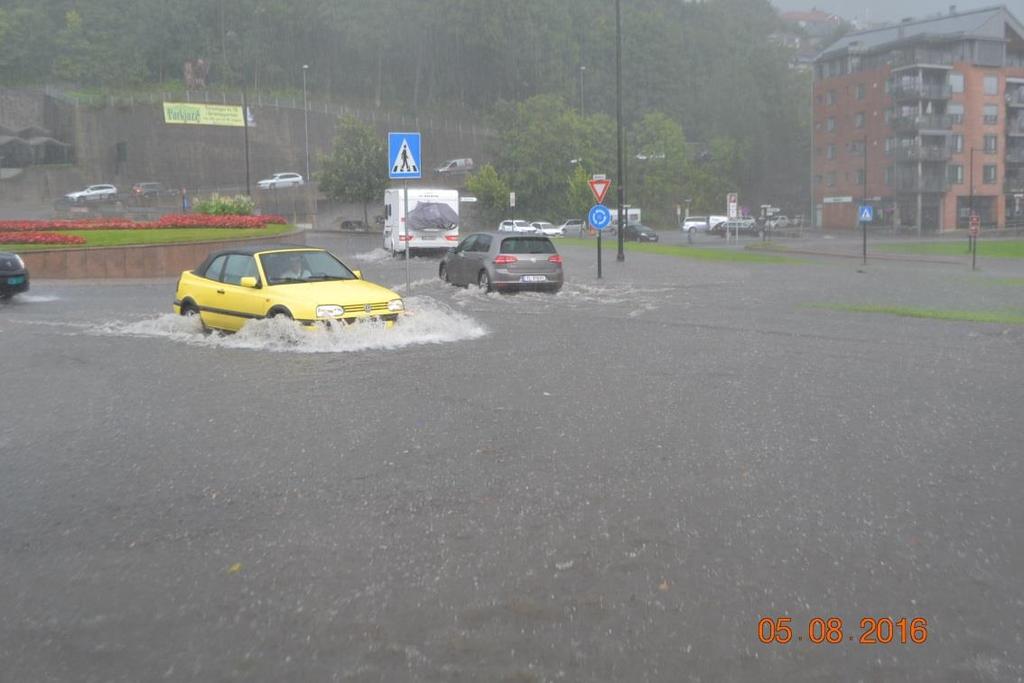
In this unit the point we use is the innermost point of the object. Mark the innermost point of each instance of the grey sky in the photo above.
(894, 10)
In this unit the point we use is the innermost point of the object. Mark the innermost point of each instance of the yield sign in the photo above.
(600, 189)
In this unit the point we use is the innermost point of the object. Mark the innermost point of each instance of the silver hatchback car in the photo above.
(504, 263)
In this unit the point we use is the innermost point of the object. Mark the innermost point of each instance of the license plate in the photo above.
(16, 280)
(430, 237)
(534, 278)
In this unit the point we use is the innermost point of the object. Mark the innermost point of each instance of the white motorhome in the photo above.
(433, 219)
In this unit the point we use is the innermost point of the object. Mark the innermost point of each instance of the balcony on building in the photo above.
(1015, 126)
(1015, 155)
(922, 153)
(1013, 186)
(922, 123)
(1015, 96)
(924, 58)
(914, 184)
(903, 91)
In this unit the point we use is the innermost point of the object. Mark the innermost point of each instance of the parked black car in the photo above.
(13, 275)
(639, 233)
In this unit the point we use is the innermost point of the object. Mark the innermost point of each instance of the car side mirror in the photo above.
(250, 282)
(358, 274)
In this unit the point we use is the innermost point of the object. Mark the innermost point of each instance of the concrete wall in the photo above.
(21, 108)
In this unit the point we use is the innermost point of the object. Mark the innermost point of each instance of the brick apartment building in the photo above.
(937, 107)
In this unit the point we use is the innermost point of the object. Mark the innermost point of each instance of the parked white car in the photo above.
(93, 193)
(548, 229)
(702, 223)
(517, 226)
(777, 222)
(574, 226)
(277, 180)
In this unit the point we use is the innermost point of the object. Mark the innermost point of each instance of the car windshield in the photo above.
(286, 267)
(527, 245)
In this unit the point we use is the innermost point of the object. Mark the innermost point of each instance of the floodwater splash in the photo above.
(33, 299)
(427, 322)
(377, 255)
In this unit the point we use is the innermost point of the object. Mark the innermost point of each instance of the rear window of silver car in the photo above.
(527, 245)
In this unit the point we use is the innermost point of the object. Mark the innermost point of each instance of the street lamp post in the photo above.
(621, 256)
(970, 210)
(305, 115)
(582, 69)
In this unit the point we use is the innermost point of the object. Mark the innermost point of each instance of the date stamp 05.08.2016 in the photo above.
(831, 631)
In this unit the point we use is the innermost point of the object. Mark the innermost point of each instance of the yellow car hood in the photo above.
(340, 292)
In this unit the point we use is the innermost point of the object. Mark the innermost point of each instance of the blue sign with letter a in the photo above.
(865, 213)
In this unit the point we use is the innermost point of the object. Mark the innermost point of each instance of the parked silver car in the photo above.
(504, 262)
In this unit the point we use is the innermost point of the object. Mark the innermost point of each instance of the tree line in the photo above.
(708, 67)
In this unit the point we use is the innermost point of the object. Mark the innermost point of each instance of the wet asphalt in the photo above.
(615, 483)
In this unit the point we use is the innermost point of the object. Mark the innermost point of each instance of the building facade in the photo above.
(924, 121)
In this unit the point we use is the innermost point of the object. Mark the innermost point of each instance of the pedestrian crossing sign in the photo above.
(404, 153)
(865, 213)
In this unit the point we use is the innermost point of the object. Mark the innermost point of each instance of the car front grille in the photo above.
(361, 308)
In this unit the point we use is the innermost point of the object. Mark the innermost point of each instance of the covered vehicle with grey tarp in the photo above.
(433, 222)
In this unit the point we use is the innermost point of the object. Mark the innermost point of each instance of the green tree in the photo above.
(491, 193)
(356, 170)
(578, 197)
(658, 163)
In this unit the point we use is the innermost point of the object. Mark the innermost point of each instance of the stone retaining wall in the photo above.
(154, 260)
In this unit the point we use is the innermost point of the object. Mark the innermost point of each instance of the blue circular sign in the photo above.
(599, 217)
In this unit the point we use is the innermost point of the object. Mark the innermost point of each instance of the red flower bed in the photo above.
(191, 220)
(26, 237)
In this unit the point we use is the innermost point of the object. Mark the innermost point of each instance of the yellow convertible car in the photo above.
(305, 284)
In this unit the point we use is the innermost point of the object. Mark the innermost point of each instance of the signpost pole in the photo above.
(864, 229)
(404, 227)
(599, 254)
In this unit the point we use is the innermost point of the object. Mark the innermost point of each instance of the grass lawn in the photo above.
(121, 238)
(695, 253)
(1002, 317)
(1008, 249)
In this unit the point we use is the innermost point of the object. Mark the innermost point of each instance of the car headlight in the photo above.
(396, 305)
(330, 311)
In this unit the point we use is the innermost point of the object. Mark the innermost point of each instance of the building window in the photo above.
(991, 114)
(817, 180)
(830, 179)
(958, 144)
(888, 175)
(955, 174)
(988, 174)
(991, 144)
(860, 91)
(956, 113)
(830, 152)
(860, 176)
(991, 85)
(956, 81)
(888, 116)
(830, 97)
(830, 124)
(858, 120)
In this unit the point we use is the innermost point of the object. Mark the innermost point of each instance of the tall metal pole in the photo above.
(864, 224)
(621, 256)
(305, 115)
(582, 69)
(245, 127)
(970, 210)
(403, 226)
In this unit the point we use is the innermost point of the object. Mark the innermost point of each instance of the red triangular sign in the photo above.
(600, 189)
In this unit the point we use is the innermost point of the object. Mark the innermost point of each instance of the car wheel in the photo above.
(190, 310)
(280, 313)
(484, 281)
(442, 272)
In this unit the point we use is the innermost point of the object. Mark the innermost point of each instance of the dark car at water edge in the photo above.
(13, 275)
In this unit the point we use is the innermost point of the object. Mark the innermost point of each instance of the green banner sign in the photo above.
(203, 114)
